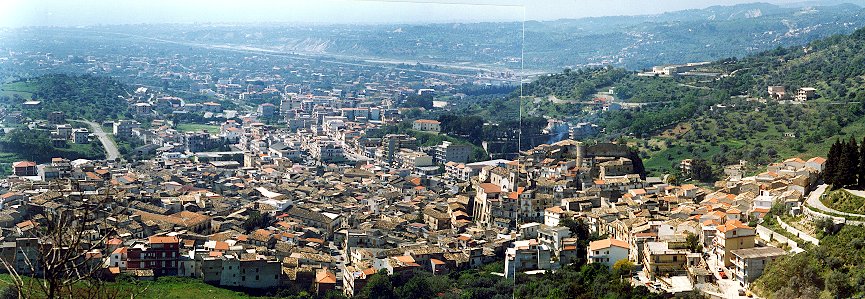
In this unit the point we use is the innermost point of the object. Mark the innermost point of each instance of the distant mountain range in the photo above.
(633, 42)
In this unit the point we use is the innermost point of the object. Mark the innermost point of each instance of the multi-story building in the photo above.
(608, 251)
(750, 263)
(24, 168)
(159, 254)
(662, 258)
(526, 255)
(450, 152)
(123, 128)
(426, 125)
(732, 236)
(266, 110)
(552, 236)
(81, 136)
(249, 273)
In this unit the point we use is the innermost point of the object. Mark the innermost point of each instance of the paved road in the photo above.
(110, 147)
(814, 201)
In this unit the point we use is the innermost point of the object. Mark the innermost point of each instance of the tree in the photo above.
(861, 168)
(694, 243)
(63, 257)
(838, 283)
(255, 220)
(378, 286)
(701, 170)
(623, 268)
(832, 169)
(849, 163)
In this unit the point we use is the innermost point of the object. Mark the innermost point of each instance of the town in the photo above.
(440, 160)
(312, 193)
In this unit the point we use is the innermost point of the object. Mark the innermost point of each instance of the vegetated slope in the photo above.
(722, 126)
(832, 270)
(632, 42)
(90, 97)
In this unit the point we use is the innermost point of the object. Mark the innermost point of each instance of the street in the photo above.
(111, 152)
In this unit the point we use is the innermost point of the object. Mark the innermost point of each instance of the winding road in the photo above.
(111, 152)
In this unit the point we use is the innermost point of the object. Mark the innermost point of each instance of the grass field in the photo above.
(162, 288)
(212, 129)
(17, 88)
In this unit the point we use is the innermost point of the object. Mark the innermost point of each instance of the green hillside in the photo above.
(722, 120)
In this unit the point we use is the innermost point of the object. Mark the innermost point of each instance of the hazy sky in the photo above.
(17, 13)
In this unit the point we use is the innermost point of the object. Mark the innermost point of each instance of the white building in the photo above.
(608, 251)
(526, 255)
(750, 263)
(426, 125)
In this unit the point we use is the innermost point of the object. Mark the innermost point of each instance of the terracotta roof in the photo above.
(163, 239)
(490, 188)
(606, 243)
(325, 277)
(24, 164)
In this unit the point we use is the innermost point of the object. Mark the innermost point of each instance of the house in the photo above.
(160, 254)
(816, 163)
(665, 258)
(552, 236)
(806, 93)
(426, 125)
(608, 251)
(732, 236)
(24, 168)
(526, 255)
(750, 263)
(777, 92)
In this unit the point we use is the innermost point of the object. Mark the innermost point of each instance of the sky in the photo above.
(19, 13)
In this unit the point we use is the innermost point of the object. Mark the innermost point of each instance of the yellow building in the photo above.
(732, 236)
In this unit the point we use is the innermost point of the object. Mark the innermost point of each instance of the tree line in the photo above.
(845, 164)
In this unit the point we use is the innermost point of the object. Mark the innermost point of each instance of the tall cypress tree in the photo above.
(861, 169)
(830, 173)
(849, 163)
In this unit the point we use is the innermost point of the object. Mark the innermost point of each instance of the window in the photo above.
(256, 277)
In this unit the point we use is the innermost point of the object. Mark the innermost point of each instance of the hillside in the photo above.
(632, 42)
(90, 97)
(719, 120)
(831, 270)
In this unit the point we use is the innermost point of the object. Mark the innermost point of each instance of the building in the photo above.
(732, 236)
(750, 263)
(426, 125)
(57, 117)
(81, 136)
(251, 273)
(608, 251)
(526, 255)
(450, 152)
(123, 128)
(663, 258)
(24, 168)
(806, 93)
(777, 92)
(267, 110)
(552, 236)
(160, 254)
